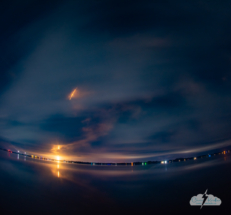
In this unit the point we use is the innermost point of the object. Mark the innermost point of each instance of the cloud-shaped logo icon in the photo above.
(205, 200)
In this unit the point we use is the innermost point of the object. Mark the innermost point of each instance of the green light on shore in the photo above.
(145, 163)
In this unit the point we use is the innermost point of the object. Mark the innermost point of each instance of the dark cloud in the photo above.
(66, 128)
(14, 17)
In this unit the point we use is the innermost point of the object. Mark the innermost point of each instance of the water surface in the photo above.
(29, 186)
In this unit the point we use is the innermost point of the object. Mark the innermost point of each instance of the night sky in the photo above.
(115, 80)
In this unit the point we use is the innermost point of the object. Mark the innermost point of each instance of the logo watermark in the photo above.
(205, 200)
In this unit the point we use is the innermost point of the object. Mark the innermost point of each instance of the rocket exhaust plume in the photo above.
(72, 94)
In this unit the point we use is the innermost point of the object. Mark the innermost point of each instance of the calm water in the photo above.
(37, 187)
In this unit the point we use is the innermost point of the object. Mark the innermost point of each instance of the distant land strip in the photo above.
(119, 164)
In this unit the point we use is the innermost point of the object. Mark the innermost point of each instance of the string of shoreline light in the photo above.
(115, 164)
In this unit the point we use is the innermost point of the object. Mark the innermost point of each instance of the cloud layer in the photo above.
(152, 78)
